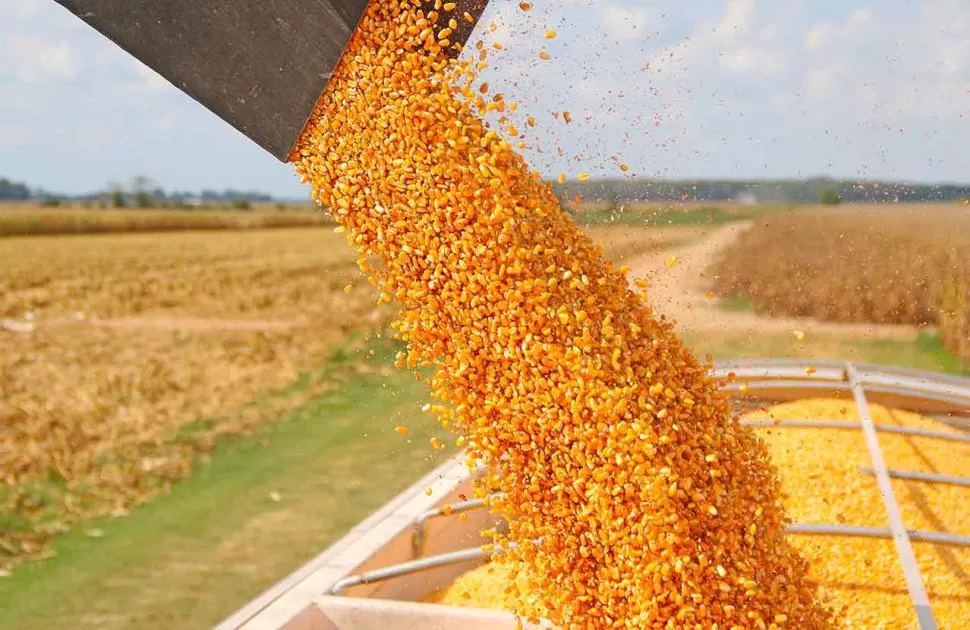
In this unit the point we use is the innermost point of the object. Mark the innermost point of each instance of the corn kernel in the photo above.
(536, 346)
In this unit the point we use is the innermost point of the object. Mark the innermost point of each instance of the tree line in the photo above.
(815, 190)
(139, 192)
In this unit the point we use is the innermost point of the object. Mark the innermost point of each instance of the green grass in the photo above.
(187, 559)
(925, 353)
(655, 216)
(932, 347)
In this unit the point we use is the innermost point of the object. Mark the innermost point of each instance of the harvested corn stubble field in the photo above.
(823, 484)
(887, 264)
(123, 356)
(115, 343)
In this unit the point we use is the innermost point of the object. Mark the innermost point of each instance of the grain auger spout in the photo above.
(260, 66)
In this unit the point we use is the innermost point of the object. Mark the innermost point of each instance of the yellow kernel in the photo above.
(568, 390)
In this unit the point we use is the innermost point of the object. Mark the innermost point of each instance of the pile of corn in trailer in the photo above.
(384, 570)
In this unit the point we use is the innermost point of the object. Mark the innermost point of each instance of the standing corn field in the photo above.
(882, 265)
(953, 298)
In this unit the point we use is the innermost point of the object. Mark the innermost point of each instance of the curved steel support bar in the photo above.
(846, 424)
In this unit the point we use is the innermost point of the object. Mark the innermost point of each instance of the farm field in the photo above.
(238, 357)
(124, 356)
(889, 265)
(22, 219)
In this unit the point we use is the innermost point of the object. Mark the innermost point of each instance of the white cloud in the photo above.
(749, 60)
(825, 34)
(892, 72)
(36, 59)
(19, 9)
(820, 82)
(816, 35)
(625, 22)
(738, 16)
(738, 44)
(859, 17)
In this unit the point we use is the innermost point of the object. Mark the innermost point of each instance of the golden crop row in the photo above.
(892, 264)
(31, 220)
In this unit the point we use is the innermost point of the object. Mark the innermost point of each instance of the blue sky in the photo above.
(707, 88)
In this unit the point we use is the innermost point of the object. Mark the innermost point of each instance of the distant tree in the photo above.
(118, 199)
(829, 197)
(141, 191)
(13, 191)
(241, 204)
(141, 183)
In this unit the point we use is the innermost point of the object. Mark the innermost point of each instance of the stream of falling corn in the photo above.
(652, 507)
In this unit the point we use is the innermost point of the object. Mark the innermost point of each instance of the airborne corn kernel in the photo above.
(490, 276)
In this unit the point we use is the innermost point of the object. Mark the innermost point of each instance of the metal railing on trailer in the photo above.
(944, 398)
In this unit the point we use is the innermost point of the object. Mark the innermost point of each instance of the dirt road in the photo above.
(678, 289)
